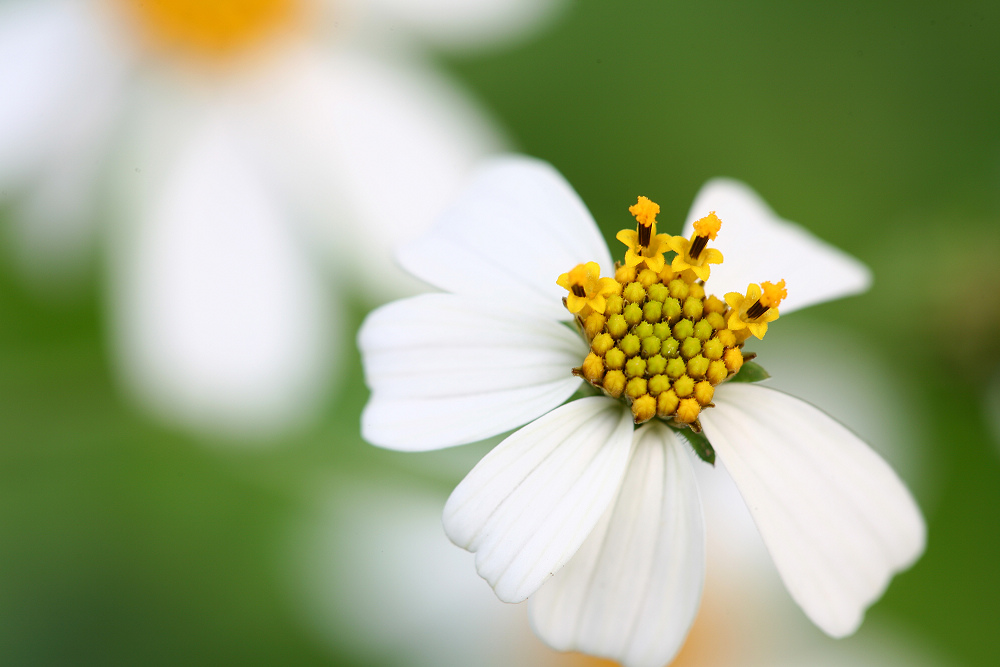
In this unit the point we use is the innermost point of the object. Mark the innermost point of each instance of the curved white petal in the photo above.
(532, 501)
(223, 323)
(512, 232)
(446, 370)
(758, 246)
(632, 590)
(836, 519)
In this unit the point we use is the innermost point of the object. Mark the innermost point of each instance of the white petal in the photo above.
(532, 501)
(61, 76)
(758, 246)
(514, 230)
(632, 590)
(373, 150)
(446, 370)
(463, 23)
(223, 323)
(836, 519)
(58, 68)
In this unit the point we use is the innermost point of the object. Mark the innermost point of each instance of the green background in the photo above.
(877, 125)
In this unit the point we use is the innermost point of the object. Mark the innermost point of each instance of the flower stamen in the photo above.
(756, 310)
(750, 314)
(588, 292)
(692, 255)
(706, 228)
(645, 246)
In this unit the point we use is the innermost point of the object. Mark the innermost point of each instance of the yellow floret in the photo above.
(688, 410)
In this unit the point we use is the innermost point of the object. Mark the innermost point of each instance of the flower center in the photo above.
(213, 28)
(656, 340)
(662, 346)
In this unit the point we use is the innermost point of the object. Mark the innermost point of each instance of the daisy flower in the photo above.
(591, 509)
(236, 151)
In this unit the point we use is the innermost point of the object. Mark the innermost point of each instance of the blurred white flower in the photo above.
(243, 149)
(612, 514)
(374, 577)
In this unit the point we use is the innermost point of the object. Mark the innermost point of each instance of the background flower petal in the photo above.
(515, 229)
(61, 75)
(836, 519)
(222, 323)
(459, 23)
(758, 245)
(447, 370)
(49, 59)
(370, 150)
(632, 590)
(527, 507)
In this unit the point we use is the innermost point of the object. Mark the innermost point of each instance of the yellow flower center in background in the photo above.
(213, 28)
(656, 340)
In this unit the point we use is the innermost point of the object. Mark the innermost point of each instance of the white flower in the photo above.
(604, 514)
(240, 143)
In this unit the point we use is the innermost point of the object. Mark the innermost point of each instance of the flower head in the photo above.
(591, 509)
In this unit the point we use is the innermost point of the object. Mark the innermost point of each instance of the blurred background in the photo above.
(197, 209)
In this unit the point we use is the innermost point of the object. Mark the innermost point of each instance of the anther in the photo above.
(644, 235)
(578, 290)
(756, 310)
(705, 230)
(697, 246)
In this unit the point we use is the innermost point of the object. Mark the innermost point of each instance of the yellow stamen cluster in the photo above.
(212, 27)
(656, 340)
(663, 347)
